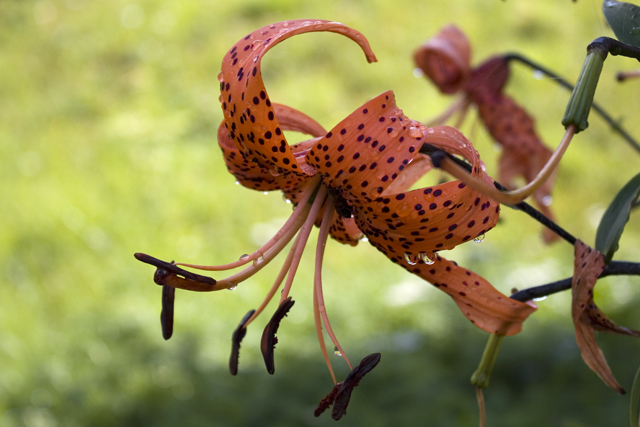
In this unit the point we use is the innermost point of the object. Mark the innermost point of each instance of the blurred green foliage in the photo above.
(108, 114)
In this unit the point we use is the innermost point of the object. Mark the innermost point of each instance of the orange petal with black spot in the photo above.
(366, 152)
(426, 220)
(251, 174)
(480, 302)
(249, 115)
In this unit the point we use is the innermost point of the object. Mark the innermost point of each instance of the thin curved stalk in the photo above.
(515, 196)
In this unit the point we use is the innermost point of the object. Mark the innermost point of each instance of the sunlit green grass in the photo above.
(108, 116)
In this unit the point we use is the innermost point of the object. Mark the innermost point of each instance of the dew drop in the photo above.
(237, 182)
(414, 132)
(403, 209)
(220, 77)
(233, 288)
(266, 193)
(275, 171)
(364, 239)
(426, 259)
(479, 239)
(410, 258)
(243, 256)
(336, 351)
(542, 298)
(417, 72)
(258, 260)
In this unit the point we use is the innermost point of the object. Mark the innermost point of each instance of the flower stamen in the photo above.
(294, 219)
(318, 298)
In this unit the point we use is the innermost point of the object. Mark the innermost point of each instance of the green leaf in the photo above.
(616, 217)
(634, 408)
(624, 20)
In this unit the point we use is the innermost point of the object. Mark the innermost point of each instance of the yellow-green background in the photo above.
(108, 114)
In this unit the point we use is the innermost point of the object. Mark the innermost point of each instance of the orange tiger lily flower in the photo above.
(352, 181)
(445, 60)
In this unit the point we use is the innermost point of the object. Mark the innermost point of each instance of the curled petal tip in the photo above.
(445, 59)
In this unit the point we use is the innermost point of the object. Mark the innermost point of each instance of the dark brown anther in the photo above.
(343, 394)
(269, 340)
(236, 339)
(327, 401)
(168, 274)
(166, 315)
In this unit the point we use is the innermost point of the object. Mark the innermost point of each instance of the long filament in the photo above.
(317, 283)
(298, 212)
(276, 283)
(305, 231)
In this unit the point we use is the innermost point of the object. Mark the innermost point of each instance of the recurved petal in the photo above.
(253, 176)
(249, 114)
(366, 152)
(478, 300)
(588, 266)
(433, 218)
(445, 59)
(426, 220)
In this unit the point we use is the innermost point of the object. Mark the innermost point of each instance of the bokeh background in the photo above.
(108, 115)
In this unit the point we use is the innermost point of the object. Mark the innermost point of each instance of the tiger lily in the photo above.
(353, 181)
(445, 60)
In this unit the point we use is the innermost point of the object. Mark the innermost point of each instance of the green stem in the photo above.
(480, 377)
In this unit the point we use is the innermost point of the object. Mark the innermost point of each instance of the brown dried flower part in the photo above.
(445, 59)
(269, 339)
(587, 318)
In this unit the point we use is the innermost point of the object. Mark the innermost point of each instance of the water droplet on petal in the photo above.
(403, 209)
(243, 256)
(220, 77)
(364, 239)
(336, 351)
(233, 288)
(266, 193)
(237, 182)
(479, 239)
(410, 258)
(542, 298)
(275, 171)
(426, 259)
(414, 132)
(258, 260)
